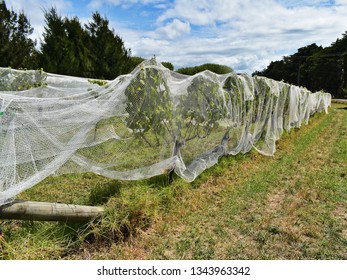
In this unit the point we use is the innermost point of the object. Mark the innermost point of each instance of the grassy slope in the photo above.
(291, 206)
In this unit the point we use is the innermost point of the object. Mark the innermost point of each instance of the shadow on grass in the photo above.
(101, 193)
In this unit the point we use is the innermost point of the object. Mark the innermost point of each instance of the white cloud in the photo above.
(26, 5)
(202, 12)
(96, 4)
(249, 33)
(174, 29)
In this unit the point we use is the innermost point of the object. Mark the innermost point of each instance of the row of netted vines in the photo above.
(149, 122)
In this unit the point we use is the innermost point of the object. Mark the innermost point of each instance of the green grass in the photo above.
(290, 206)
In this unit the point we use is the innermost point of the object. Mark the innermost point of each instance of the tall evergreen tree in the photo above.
(17, 49)
(92, 51)
(110, 57)
(64, 49)
(54, 48)
(78, 59)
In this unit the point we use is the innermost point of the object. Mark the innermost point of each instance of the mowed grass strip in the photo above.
(291, 206)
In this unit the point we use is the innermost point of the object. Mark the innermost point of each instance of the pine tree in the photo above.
(110, 57)
(54, 49)
(17, 49)
(64, 49)
(78, 59)
(92, 51)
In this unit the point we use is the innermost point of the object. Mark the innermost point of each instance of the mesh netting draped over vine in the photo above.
(139, 125)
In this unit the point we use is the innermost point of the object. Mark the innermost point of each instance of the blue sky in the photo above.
(243, 34)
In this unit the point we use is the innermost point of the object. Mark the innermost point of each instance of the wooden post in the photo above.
(46, 211)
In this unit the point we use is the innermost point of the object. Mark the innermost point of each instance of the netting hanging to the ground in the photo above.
(139, 125)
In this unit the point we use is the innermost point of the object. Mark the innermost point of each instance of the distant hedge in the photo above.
(216, 68)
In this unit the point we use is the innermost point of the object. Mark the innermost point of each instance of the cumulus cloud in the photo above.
(244, 34)
(174, 29)
(250, 34)
(96, 4)
(202, 12)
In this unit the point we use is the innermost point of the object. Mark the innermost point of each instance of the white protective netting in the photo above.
(139, 125)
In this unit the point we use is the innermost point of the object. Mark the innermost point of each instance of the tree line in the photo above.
(94, 50)
(314, 67)
(68, 47)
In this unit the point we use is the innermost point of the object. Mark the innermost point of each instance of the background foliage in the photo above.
(314, 67)
(216, 68)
